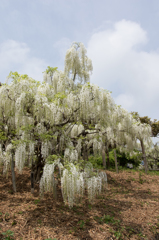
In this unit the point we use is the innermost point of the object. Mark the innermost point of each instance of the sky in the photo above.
(121, 38)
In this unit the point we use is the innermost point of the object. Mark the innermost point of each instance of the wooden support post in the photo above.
(32, 177)
(107, 152)
(54, 188)
(116, 164)
(13, 173)
(103, 156)
(144, 156)
(32, 182)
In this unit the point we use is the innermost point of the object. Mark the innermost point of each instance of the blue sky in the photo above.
(121, 37)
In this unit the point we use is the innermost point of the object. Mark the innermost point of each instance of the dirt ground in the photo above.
(128, 209)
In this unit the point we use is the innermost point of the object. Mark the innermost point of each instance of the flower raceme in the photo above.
(73, 182)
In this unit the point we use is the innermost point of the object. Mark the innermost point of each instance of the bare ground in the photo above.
(128, 209)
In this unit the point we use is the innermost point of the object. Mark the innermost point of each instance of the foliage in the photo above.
(8, 234)
(51, 158)
(154, 124)
(96, 161)
(123, 158)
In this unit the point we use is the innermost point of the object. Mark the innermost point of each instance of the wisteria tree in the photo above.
(38, 119)
(54, 123)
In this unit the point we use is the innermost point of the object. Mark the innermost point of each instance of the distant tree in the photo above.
(152, 152)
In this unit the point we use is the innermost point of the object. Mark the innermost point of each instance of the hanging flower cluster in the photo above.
(1, 155)
(46, 181)
(73, 182)
(20, 156)
(7, 159)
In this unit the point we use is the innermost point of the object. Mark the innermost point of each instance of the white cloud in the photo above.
(16, 56)
(121, 66)
(13, 52)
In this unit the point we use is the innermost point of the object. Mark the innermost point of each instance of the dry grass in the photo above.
(129, 209)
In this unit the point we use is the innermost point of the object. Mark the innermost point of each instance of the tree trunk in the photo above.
(144, 156)
(116, 164)
(39, 164)
(103, 156)
(27, 162)
(38, 171)
(85, 155)
(13, 174)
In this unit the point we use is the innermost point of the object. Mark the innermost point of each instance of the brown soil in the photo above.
(133, 208)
